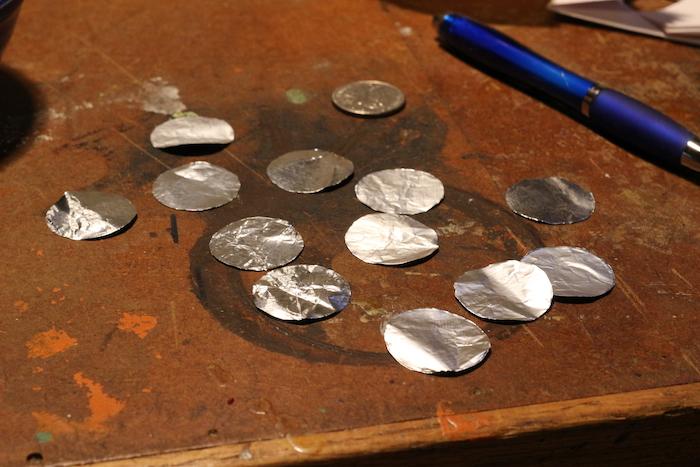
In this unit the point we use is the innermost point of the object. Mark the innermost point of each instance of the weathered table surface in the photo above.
(144, 345)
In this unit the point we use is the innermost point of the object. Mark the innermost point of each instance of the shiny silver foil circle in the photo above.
(196, 186)
(390, 239)
(309, 171)
(573, 272)
(400, 191)
(85, 215)
(369, 98)
(429, 340)
(507, 291)
(257, 243)
(301, 292)
(191, 130)
(550, 200)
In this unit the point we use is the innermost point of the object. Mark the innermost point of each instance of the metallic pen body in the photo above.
(620, 116)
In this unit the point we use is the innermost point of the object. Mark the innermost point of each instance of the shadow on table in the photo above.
(19, 104)
(520, 12)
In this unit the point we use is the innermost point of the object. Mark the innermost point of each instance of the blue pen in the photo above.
(622, 117)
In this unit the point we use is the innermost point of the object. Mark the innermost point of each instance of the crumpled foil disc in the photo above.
(84, 215)
(400, 191)
(301, 292)
(369, 98)
(191, 130)
(196, 186)
(429, 340)
(507, 291)
(550, 200)
(574, 272)
(256, 243)
(309, 171)
(390, 239)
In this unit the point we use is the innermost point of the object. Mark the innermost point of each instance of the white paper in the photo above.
(679, 22)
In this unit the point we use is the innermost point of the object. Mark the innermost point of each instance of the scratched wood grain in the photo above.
(143, 344)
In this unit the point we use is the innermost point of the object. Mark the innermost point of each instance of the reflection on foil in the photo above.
(191, 130)
(430, 340)
(256, 243)
(84, 215)
(551, 200)
(574, 272)
(196, 186)
(507, 291)
(400, 191)
(390, 239)
(309, 171)
(301, 292)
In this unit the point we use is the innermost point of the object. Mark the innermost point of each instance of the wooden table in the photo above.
(142, 349)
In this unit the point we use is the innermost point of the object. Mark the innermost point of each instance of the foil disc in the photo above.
(574, 272)
(309, 171)
(191, 130)
(301, 292)
(507, 291)
(550, 200)
(369, 98)
(400, 191)
(83, 215)
(256, 243)
(390, 239)
(196, 186)
(429, 340)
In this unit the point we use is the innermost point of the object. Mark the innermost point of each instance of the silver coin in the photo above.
(551, 200)
(369, 98)
(84, 215)
(196, 186)
(400, 191)
(191, 130)
(429, 340)
(507, 291)
(390, 239)
(309, 171)
(574, 272)
(256, 243)
(301, 292)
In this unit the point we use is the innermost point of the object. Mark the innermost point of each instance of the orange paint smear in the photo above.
(464, 426)
(49, 343)
(21, 305)
(141, 325)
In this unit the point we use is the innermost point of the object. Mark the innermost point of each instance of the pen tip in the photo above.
(437, 20)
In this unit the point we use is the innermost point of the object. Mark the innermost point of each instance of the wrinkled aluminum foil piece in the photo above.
(429, 340)
(84, 215)
(196, 186)
(550, 200)
(400, 191)
(390, 239)
(309, 171)
(301, 292)
(574, 272)
(507, 291)
(191, 130)
(257, 243)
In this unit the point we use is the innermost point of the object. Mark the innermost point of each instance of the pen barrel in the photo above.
(498, 51)
(639, 126)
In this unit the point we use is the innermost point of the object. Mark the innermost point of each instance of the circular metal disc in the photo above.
(191, 130)
(309, 171)
(256, 243)
(550, 200)
(507, 291)
(369, 98)
(301, 292)
(196, 186)
(400, 191)
(574, 272)
(83, 215)
(430, 340)
(390, 239)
